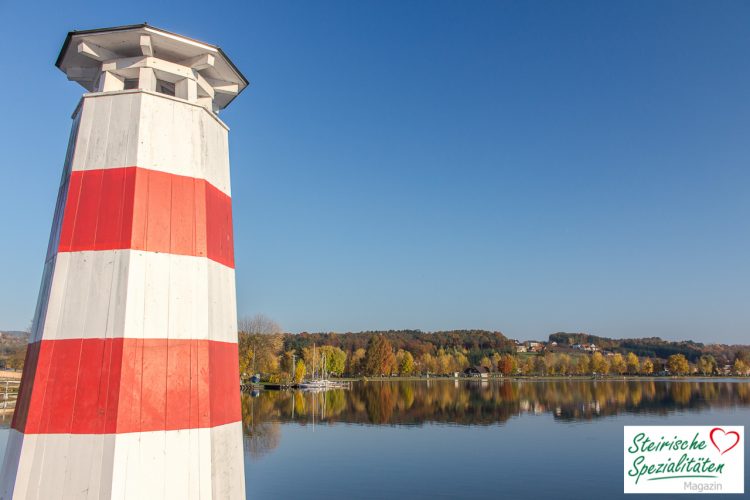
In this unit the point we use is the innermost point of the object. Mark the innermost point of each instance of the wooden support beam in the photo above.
(109, 82)
(201, 62)
(124, 63)
(206, 102)
(222, 87)
(146, 48)
(204, 85)
(85, 74)
(147, 79)
(186, 89)
(95, 52)
(176, 71)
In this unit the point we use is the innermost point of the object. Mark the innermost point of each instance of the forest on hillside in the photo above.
(284, 357)
(655, 347)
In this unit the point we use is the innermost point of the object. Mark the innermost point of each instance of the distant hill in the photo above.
(15, 333)
(417, 342)
(654, 347)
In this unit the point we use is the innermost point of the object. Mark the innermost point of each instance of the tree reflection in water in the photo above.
(462, 402)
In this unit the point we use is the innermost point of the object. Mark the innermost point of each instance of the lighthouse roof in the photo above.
(84, 52)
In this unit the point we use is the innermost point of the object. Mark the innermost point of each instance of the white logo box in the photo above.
(684, 459)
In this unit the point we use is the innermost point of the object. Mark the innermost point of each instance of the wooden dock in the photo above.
(8, 395)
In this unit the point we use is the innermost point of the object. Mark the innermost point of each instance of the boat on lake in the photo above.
(320, 384)
(323, 384)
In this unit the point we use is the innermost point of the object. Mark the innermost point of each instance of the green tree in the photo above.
(634, 365)
(677, 364)
(405, 363)
(335, 359)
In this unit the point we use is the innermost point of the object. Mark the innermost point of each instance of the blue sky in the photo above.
(528, 167)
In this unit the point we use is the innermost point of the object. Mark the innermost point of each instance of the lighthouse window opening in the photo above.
(165, 87)
(131, 83)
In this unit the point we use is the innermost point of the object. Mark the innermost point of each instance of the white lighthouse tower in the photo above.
(131, 386)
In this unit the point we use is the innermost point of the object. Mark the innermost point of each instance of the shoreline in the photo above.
(607, 378)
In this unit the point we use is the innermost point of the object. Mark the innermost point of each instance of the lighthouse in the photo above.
(130, 387)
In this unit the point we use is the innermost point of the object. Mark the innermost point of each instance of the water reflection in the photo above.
(477, 403)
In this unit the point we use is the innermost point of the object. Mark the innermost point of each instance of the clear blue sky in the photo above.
(528, 167)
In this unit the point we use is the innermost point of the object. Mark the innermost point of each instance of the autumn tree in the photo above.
(495, 360)
(528, 365)
(618, 364)
(356, 361)
(379, 358)
(286, 363)
(507, 365)
(427, 363)
(486, 362)
(405, 362)
(677, 364)
(707, 364)
(740, 367)
(299, 371)
(444, 362)
(540, 365)
(552, 362)
(260, 342)
(563, 364)
(634, 365)
(599, 364)
(647, 367)
(743, 355)
(460, 362)
(583, 365)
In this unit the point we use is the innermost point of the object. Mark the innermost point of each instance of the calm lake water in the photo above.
(466, 439)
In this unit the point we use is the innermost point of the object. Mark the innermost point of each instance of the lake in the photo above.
(443, 438)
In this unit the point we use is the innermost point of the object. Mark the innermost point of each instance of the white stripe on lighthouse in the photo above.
(179, 464)
(136, 128)
(137, 294)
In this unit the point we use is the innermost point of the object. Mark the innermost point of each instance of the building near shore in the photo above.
(477, 371)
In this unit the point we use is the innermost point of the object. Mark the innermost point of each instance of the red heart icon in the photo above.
(726, 434)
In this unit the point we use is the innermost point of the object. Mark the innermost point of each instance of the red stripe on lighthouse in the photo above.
(107, 386)
(141, 209)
